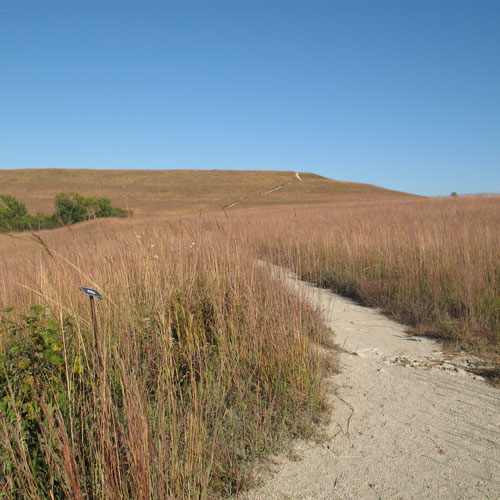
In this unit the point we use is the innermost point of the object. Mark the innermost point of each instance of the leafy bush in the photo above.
(70, 208)
(33, 395)
(13, 208)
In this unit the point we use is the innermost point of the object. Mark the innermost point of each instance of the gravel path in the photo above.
(406, 422)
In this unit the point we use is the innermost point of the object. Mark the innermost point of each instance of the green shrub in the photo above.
(33, 395)
(12, 208)
(70, 208)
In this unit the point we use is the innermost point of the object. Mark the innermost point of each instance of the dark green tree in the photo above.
(70, 208)
(12, 207)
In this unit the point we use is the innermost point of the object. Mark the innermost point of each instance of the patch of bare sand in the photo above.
(406, 422)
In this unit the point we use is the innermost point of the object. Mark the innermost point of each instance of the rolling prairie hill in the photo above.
(157, 192)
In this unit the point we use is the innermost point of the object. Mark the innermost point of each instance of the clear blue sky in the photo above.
(403, 94)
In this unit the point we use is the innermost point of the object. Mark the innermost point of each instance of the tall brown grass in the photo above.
(204, 363)
(432, 263)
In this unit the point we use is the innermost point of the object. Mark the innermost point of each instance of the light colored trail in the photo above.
(407, 424)
(277, 188)
(269, 191)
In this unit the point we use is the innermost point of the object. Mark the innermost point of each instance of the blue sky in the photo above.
(403, 94)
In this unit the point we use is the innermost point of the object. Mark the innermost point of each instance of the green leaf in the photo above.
(15, 349)
(52, 357)
(5, 403)
(77, 365)
(61, 398)
(36, 310)
(52, 325)
(48, 337)
(8, 309)
(56, 346)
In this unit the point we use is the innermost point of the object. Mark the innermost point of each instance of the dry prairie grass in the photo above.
(203, 362)
(167, 192)
(432, 263)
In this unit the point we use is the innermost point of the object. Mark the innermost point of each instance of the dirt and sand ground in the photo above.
(407, 421)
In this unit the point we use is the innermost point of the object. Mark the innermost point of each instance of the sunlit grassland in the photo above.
(168, 192)
(433, 264)
(203, 362)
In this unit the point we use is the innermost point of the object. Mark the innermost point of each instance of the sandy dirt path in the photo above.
(406, 423)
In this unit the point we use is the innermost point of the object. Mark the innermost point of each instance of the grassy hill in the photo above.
(155, 192)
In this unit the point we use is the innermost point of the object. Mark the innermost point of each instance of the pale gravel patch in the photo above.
(406, 423)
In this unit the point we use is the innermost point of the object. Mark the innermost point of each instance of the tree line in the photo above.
(70, 208)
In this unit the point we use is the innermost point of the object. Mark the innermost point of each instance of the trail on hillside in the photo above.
(263, 193)
(406, 422)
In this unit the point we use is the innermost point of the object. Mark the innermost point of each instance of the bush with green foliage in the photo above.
(12, 208)
(70, 208)
(34, 398)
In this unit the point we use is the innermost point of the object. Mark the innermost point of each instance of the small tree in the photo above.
(105, 208)
(453, 194)
(13, 208)
(70, 208)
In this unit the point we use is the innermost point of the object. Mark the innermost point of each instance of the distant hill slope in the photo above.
(153, 192)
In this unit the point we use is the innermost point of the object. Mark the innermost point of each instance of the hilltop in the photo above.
(155, 192)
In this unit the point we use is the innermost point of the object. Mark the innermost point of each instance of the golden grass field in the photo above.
(167, 192)
(433, 264)
(204, 363)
